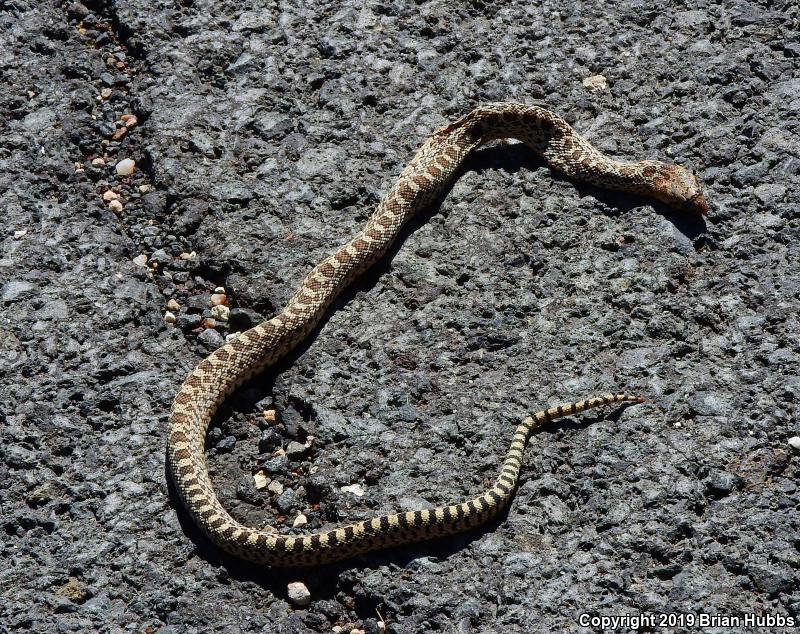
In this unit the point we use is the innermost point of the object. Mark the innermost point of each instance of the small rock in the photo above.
(19, 234)
(226, 444)
(173, 305)
(140, 260)
(260, 480)
(270, 416)
(105, 93)
(269, 440)
(115, 206)
(126, 167)
(596, 83)
(144, 188)
(188, 321)
(75, 591)
(296, 451)
(221, 312)
(794, 442)
(721, 484)
(220, 290)
(769, 194)
(160, 256)
(217, 299)
(211, 339)
(275, 487)
(244, 318)
(170, 318)
(110, 195)
(298, 594)
(300, 520)
(129, 120)
(287, 501)
(98, 162)
(355, 489)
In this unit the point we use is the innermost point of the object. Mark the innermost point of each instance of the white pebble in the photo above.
(98, 162)
(19, 234)
(220, 290)
(110, 195)
(275, 487)
(232, 336)
(170, 317)
(188, 256)
(105, 93)
(218, 298)
(300, 520)
(355, 630)
(115, 206)
(125, 167)
(140, 260)
(299, 594)
(596, 83)
(144, 188)
(794, 442)
(221, 312)
(355, 489)
(173, 305)
(260, 480)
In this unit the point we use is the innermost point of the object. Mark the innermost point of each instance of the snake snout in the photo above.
(698, 204)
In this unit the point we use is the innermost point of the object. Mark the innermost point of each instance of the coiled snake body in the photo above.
(425, 177)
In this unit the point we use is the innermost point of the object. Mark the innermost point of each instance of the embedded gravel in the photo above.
(263, 137)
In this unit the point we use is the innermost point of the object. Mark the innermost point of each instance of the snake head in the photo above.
(677, 187)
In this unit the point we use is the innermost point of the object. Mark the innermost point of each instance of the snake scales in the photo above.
(425, 177)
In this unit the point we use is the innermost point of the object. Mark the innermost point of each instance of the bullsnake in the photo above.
(426, 176)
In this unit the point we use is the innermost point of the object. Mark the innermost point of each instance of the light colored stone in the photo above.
(173, 305)
(126, 167)
(596, 83)
(300, 520)
(298, 594)
(140, 260)
(20, 234)
(98, 162)
(170, 317)
(270, 415)
(220, 290)
(355, 489)
(110, 195)
(217, 299)
(275, 487)
(260, 480)
(794, 442)
(221, 312)
(115, 206)
(105, 93)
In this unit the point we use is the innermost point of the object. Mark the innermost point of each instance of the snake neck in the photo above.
(566, 151)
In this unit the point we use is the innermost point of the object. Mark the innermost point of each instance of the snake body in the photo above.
(425, 178)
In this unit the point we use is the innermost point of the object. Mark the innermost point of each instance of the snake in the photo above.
(424, 179)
